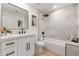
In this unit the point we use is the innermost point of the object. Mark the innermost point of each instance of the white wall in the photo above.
(78, 21)
(43, 21)
(61, 23)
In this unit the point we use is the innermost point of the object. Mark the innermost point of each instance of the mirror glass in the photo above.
(14, 17)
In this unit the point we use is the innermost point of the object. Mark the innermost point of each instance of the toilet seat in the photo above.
(40, 43)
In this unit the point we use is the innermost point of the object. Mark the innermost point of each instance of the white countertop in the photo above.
(72, 43)
(15, 36)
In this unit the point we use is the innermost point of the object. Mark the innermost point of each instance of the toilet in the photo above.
(39, 46)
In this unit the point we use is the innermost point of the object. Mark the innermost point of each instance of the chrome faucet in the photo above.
(22, 30)
(75, 40)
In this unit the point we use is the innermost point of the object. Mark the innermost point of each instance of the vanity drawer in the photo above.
(0, 49)
(8, 44)
(10, 51)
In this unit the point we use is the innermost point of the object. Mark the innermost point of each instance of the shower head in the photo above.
(46, 15)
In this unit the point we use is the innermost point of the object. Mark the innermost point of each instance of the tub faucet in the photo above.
(43, 36)
(75, 40)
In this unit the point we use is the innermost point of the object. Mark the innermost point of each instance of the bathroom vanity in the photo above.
(0, 49)
(17, 45)
(14, 41)
(71, 49)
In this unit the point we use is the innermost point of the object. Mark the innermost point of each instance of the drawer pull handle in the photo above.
(10, 43)
(29, 45)
(10, 53)
(26, 47)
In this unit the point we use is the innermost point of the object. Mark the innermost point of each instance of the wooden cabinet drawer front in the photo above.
(10, 51)
(8, 44)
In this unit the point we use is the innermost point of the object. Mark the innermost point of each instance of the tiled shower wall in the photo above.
(60, 24)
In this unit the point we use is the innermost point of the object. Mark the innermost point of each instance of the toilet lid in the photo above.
(40, 43)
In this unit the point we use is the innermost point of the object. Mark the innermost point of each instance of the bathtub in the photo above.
(55, 45)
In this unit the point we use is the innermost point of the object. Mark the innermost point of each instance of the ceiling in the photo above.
(48, 7)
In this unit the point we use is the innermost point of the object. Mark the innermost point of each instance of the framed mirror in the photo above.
(14, 17)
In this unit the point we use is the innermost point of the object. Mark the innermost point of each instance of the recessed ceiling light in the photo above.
(55, 6)
(37, 3)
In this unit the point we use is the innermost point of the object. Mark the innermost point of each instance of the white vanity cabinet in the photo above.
(26, 46)
(31, 46)
(21, 45)
(12, 51)
(0, 49)
(9, 48)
